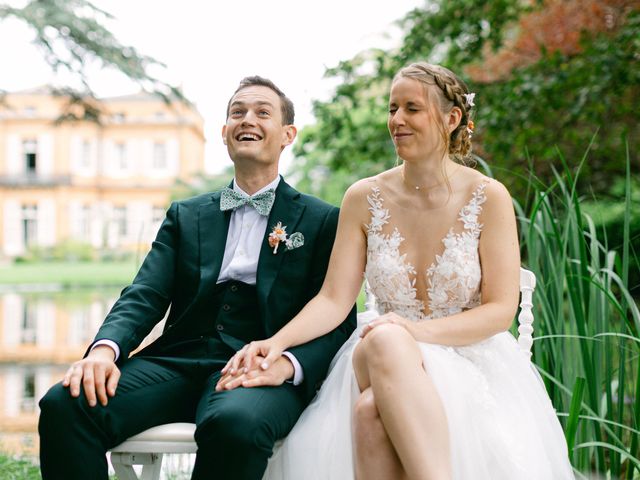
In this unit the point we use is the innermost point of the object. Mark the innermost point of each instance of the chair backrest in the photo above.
(525, 318)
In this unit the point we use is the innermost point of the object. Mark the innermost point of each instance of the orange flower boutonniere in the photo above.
(279, 235)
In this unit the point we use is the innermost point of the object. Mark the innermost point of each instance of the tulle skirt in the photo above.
(502, 425)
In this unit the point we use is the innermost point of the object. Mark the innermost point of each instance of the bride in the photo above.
(434, 387)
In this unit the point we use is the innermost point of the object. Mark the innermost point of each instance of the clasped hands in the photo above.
(257, 364)
(260, 363)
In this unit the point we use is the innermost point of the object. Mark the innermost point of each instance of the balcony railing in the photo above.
(34, 180)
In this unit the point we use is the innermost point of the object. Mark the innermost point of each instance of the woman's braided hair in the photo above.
(452, 92)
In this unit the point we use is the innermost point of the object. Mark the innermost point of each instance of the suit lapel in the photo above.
(287, 209)
(213, 226)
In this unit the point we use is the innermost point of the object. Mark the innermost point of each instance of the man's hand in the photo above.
(97, 373)
(276, 374)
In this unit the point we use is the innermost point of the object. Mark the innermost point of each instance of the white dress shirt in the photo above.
(247, 230)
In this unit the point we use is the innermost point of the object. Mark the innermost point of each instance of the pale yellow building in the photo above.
(106, 184)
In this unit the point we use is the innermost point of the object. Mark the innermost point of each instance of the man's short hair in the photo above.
(286, 105)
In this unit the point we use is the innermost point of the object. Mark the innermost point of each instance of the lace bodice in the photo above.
(453, 279)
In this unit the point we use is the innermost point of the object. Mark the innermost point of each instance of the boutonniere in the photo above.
(279, 235)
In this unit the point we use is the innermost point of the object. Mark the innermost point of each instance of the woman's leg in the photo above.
(375, 456)
(389, 361)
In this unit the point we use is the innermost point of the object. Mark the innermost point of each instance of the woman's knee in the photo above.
(385, 343)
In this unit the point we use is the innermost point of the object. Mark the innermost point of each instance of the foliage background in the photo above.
(549, 74)
(554, 79)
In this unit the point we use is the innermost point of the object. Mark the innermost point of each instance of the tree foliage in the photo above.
(548, 74)
(71, 35)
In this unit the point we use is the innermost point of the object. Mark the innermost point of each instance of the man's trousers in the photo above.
(235, 430)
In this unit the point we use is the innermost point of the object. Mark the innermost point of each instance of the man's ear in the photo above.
(288, 135)
(454, 117)
(224, 134)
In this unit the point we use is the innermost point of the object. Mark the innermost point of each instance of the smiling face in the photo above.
(254, 131)
(415, 123)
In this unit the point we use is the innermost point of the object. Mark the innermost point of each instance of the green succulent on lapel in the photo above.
(295, 240)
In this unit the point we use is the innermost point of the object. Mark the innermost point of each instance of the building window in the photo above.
(159, 155)
(29, 224)
(30, 111)
(28, 327)
(118, 117)
(84, 222)
(121, 155)
(28, 400)
(85, 154)
(30, 149)
(120, 218)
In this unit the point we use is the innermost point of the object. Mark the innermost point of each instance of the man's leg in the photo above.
(75, 437)
(236, 429)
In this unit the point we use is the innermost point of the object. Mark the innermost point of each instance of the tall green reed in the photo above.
(587, 327)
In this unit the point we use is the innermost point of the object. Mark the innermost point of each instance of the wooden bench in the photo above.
(147, 448)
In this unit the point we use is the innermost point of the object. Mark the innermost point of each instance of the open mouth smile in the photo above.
(248, 137)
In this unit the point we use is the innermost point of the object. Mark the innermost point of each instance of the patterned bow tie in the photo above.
(230, 200)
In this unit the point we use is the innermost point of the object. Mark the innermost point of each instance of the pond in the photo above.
(41, 333)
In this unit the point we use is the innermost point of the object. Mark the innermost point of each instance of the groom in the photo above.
(228, 279)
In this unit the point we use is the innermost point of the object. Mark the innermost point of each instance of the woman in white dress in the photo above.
(434, 387)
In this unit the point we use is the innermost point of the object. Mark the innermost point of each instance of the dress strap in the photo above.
(470, 212)
(379, 215)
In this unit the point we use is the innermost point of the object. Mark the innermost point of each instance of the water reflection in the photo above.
(41, 333)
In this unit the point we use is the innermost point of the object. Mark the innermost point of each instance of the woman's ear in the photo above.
(454, 117)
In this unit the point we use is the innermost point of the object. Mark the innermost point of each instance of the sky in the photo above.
(208, 47)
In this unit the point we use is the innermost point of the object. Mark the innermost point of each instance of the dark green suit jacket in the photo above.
(184, 263)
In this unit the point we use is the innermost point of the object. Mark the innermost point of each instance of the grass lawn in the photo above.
(69, 274)
(16, 469)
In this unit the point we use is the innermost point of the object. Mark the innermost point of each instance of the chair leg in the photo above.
(123, 465)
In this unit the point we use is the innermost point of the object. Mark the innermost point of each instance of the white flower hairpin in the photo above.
(468, 99)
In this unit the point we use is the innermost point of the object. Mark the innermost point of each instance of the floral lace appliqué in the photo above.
(453, 278)
(387, 272)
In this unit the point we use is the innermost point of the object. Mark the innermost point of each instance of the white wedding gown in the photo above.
(502, 425)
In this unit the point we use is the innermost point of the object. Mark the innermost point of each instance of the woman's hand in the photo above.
(281, 371)
(390, 317)
(268, 351)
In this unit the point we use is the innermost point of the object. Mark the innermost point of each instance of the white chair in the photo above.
(525, 318)
(147, 448)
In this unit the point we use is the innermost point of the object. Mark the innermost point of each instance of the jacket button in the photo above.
(234, 288)
(219, 327)
(226, 307)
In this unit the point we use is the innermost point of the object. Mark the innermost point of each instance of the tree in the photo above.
(71, 35)
(549, 73)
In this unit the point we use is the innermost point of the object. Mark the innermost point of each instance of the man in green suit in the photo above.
(228, 279)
